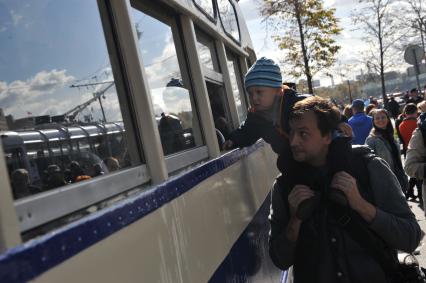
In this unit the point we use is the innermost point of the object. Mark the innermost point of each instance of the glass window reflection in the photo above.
(207, 52)
(206, 6)
(56, 87)
(237, 88)
(174, 107)
(228, 18)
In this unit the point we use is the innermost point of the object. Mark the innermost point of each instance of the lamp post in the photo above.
(350, 92)
(420, 24)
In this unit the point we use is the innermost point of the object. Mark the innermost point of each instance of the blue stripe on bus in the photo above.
(248, 259)
(34, 257)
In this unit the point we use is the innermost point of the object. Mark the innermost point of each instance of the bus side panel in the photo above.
(185, 240)
(248, 260)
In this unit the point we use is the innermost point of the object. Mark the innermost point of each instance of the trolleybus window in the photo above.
(237, 88)
(228, 17)
(207, 52)
(173, 104)
(58, 93)
(207, 7)
(220, 110)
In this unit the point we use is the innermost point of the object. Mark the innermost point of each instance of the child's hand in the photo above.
(228, 144)
(345, 129)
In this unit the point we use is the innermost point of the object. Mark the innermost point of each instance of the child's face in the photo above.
(261, 97)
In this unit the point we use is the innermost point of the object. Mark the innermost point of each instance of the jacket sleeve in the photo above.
(394, 222)
(415, 161)
(281, 250)
(247, 134)
(380, 149)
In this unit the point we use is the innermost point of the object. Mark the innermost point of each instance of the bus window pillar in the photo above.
(221, 53)
(139, 91)
(243, 64)
(9, 227)
(244, 69)
(200, 89)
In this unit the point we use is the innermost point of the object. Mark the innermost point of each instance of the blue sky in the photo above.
(47, 46)
(350, 39)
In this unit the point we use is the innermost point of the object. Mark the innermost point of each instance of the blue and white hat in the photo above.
(263, 73)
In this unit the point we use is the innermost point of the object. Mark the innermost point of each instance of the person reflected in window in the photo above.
(21, 185)
(219, 117)
(77, 173)
(55, 177)
(171, 133)
(112, 164)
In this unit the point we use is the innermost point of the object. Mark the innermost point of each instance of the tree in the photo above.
(308, 31)
(381, 31)
(416, 17)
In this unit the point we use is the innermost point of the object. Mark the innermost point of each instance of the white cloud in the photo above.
(15, 17)
(32, 95)
(165, 66)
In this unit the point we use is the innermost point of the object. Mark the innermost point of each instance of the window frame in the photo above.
(237, 41)
(215, 12)
(179, 160)
(239, 78)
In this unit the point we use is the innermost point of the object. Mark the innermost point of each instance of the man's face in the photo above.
(307, 143)
(261, 97)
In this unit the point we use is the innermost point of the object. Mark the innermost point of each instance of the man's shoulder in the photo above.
(364, 151)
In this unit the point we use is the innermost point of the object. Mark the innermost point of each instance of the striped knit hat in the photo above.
(263, 73)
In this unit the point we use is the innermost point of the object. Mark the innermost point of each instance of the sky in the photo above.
(49, 46)
(350, 38)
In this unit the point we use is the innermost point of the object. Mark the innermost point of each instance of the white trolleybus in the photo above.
(112, 118)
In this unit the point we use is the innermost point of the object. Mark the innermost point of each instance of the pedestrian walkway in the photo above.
(420, 216)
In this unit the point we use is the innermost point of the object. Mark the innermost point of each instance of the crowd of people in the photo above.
(339, 210)
(54, 175)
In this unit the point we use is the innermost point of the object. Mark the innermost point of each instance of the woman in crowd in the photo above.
(382, 141)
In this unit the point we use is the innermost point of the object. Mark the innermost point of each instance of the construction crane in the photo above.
(71, 114)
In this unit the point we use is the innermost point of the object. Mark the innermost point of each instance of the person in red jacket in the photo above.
(409, 124)
(406, 129)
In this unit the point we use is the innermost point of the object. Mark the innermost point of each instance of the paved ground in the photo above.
(422, 222)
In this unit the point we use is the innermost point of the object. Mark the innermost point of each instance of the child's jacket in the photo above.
(271, 125)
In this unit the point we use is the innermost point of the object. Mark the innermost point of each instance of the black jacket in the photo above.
(324, 251)
(257, 126)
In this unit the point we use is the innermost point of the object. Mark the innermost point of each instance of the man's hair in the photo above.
(328, 116)
(410, 108)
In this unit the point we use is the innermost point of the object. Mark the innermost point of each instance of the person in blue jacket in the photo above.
(361, 123)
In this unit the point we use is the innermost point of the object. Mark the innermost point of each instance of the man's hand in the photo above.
(345, 128)
(347, 184)
(298, 194)
(228, 144)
